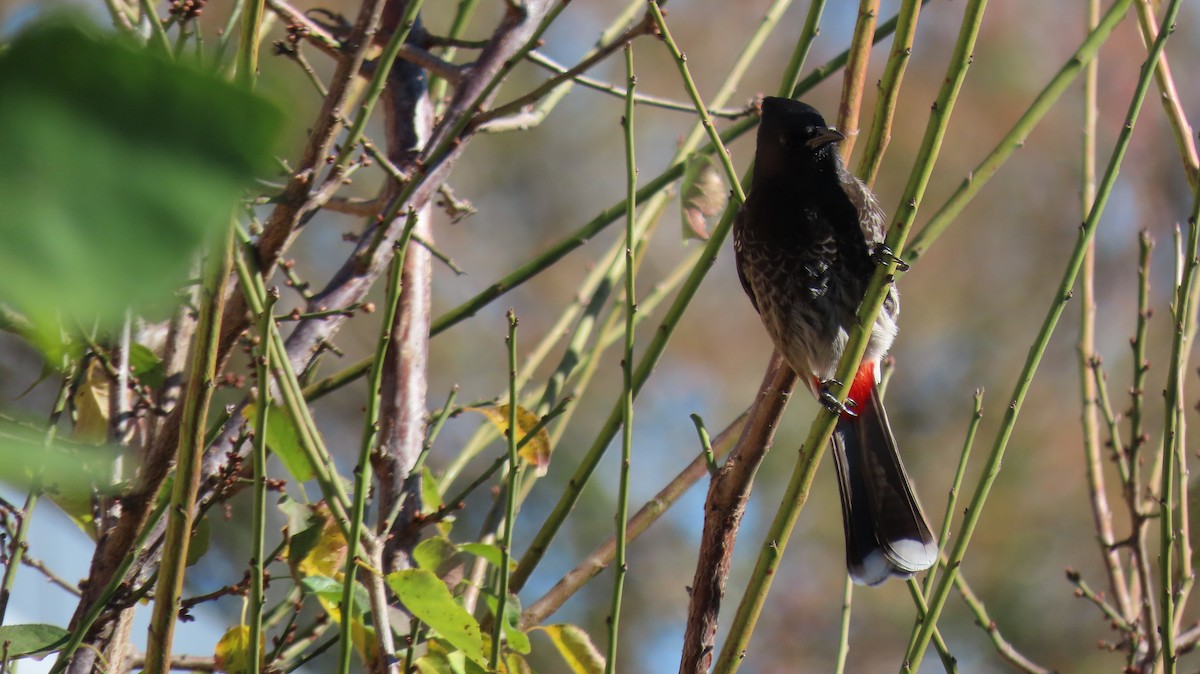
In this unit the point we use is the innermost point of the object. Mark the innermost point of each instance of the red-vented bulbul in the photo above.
(807, 241)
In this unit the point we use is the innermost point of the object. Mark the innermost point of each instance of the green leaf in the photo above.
(299, 515)
(330, 590)
(283, 439)
(575, 646)
(433, 553)
(426, 597)
(118, 165)
(488, 552)
(32, 639)
(146, 366)
(517, 640)
(201, 535)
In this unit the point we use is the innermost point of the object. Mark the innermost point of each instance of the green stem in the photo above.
(258, 563)
(1173, 456)
(186, 486)
(462, 17)
(843, 649)
(620, 568)
(510, 498)
(247, 68)
(1062, 295)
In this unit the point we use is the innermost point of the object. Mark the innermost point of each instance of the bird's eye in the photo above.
(783, 140)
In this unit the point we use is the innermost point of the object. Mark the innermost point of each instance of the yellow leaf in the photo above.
(576, 648)
(365, 643)
(319, 550)
(537, 451)
(233, 650)
(91, 405)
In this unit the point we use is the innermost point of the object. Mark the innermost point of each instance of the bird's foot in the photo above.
(882, 255)
(829, 400)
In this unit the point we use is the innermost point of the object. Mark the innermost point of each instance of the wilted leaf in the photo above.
(233, 653)
(117, 166)
(575, 646)
(319, 550)
(32, 639)
(91, 405)
(537, 451)
(443, 657)
(515, 664)
(426, 597)
(365, 643)
(703, 195)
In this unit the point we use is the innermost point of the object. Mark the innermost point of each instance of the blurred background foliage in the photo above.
(970, 310)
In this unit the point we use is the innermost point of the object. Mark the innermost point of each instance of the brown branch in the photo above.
(409, 114)
(723, 509)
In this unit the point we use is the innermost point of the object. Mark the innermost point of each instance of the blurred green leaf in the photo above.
(146, 366)
(32, 639)
(117, 166)
(426, 597)
(68, 473)
(575, 646)
(488, 552)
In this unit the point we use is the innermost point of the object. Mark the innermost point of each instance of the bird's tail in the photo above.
(886, 532)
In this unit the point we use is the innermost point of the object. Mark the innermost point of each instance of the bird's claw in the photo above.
(830, 401)
(882, 255)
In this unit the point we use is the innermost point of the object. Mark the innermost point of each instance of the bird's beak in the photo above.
(830, 135)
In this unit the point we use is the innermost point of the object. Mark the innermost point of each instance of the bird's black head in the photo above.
(794, 139)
